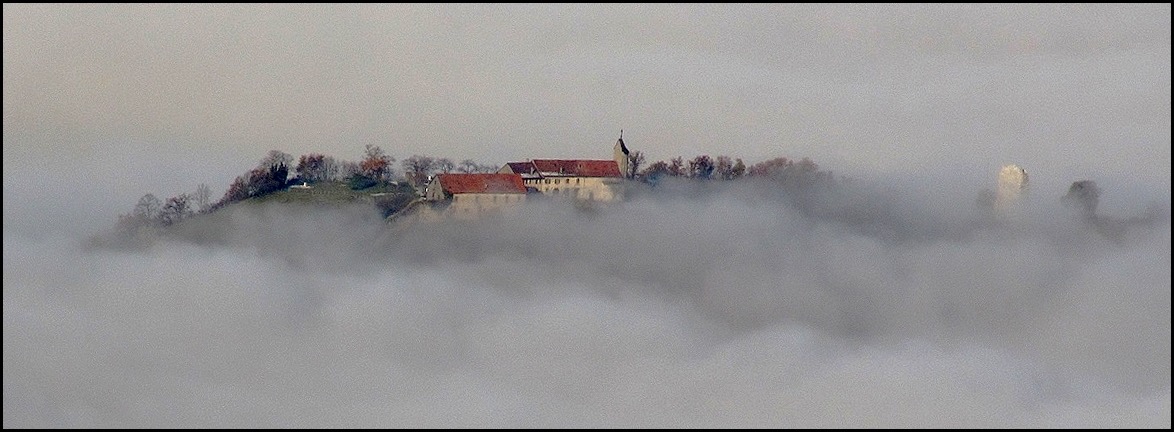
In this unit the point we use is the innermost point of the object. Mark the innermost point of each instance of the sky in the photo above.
(161, 98)
(708, 309)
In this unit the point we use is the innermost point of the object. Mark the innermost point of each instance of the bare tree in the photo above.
(274, 158)
(775, 167)
(148, 207)
(276, 162)
(202, 196)
(445, 165)
(468, 166)
(311, 167)
(701, 167)
(724, 167)
(790, 173)
(738, 170)
(676, 166)
(417, 168)
(635, 159)
(176, 209)
(657, 169)
(237, 191)
(330, 168)
(348, 169)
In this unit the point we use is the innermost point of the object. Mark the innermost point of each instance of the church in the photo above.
(590, 180)
(467, 196)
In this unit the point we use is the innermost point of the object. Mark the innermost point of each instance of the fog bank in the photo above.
(728, 306)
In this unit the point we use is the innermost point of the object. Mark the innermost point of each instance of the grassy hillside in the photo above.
(385, 199)
(220, 226)
(331, 193)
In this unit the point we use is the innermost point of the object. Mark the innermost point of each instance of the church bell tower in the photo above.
(620, 152)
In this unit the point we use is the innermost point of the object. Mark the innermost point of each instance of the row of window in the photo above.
(494, 198)
(556, 181)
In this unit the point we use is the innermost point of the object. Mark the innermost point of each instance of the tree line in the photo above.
(722, 167)
(277, 171)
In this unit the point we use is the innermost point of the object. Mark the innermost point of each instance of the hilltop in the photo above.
(435, 189)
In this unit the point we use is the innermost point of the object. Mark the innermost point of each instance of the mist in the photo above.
(893, 300)
(686, 306)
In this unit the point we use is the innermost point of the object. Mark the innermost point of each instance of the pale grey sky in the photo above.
(189, 94)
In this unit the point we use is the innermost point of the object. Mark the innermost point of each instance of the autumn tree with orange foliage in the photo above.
(376, 164)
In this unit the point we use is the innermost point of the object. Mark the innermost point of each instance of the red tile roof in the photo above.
(578, 167)
(482, 183)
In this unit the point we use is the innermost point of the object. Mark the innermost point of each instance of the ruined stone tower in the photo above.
(1012, 187)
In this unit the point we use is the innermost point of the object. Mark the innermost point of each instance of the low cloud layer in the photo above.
(732, 305)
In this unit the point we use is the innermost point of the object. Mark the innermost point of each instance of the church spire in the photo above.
(620, 152)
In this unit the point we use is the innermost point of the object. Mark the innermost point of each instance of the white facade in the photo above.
(599, 189)
(469, 203)
(470, 206)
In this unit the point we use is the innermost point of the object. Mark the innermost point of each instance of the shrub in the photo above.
(360, 182)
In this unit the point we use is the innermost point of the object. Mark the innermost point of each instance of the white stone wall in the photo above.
(601, 189)
(470, 206)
